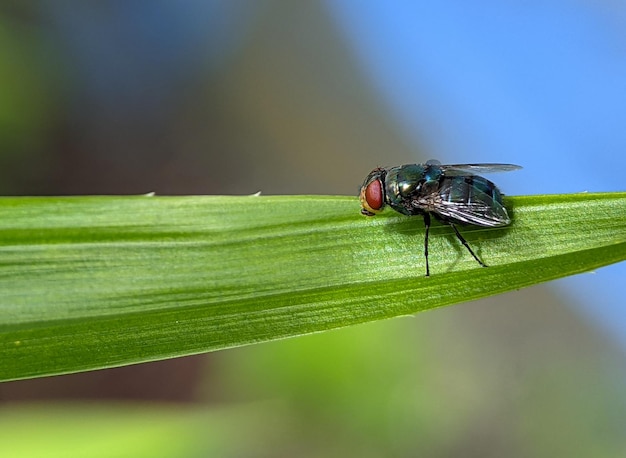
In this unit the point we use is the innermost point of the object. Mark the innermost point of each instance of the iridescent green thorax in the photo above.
(407, 181)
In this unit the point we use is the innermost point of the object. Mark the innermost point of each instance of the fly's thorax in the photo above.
(409, 181)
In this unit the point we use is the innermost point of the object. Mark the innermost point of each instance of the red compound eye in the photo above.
(372, 197)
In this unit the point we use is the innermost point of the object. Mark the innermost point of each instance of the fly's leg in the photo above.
(427, 224)
(464, 242)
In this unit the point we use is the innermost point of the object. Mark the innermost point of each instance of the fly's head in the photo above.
(372, 195)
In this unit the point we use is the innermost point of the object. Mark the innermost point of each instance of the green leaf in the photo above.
(95, 282)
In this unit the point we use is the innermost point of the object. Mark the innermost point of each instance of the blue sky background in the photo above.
(540, 84)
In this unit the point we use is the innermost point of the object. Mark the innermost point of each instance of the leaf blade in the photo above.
(94, 282)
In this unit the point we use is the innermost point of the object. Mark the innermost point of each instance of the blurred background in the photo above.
(235, 97)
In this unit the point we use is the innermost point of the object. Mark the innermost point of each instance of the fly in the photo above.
(453, 194)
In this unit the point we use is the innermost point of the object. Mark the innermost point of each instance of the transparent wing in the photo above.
(457, 169)
(481, 210)
(487, 214)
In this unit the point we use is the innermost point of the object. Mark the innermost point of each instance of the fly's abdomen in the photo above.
(472, 199)
(468, 190)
